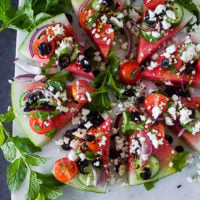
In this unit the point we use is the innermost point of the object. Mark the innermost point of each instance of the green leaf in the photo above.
(113, 61)
(36, 127)
(16, 174)
(51, 133)
(8, 117)
(9, 151)
(2, 136)
(35, 160)
(25, 145)
(61, 76)
(4, 7)
(90, 155)
(56, 85)
(150, 185)
(180, 160)
(34, 186)
(92, 20)
(41, 17)
(40, 197)
(43, 115)
(51, 193)
(49, 65)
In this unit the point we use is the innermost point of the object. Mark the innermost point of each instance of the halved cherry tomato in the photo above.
(41, 126)
(38, 42)
(152, 4)
(198, 65)
(84, 16)
(159, 130)
(155, 100)
(81, 90)
(96, 144)
(64, 170)
(129, 73)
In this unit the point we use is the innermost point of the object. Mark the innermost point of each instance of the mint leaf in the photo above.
(51, 133)
(2, 136)
(51, 193)
(9, 151)
(35, 160)
(180, 160)
(150, 185)
(43, 115)
(61, 76)
(93, 19)
(34, 186)
(4, 7)
(16, 174)
(36, 127)
(56, 85)
(8, 117)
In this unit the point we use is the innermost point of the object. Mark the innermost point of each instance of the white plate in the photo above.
(165, 189)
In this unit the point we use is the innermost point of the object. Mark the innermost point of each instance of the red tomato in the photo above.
(95, 145)
(159, 130)
(38, 42)
(153, 100)
(64, 170)
(41, 126)
(152, 4)
(84, 16)
(129, 73)
(81, 90)
(198, 65)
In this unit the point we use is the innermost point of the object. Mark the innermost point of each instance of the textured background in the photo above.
(7, 55)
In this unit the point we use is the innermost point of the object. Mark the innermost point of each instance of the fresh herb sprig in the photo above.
(20, 152)
(106, 81)
(31, 13)
(180, 160)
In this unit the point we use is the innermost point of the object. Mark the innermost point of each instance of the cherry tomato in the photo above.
(155, 100)
(81, 90)
(152, 4)
(159, 130)
(84, 16)
(96, 144)
(198, 65)
(45, 40)
(64, 170)
(41, 126)
(129, 73)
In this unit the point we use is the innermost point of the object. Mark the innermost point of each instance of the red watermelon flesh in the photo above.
(146, 48)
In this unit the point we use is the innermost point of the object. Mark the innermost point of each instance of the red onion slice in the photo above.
(130, 41)
(103, 177)
(181, 132)
(118, 120)
(25, 77)
(83, 5)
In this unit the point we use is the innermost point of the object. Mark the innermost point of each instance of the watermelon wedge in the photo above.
(17, 89)
(146, 48)
(164, 153)
(105, 128)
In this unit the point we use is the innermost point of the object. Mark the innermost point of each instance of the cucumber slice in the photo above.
(22, 103)
(178, 10)
(86, 179)
(153, 165)
(147, 35)
(96, 5)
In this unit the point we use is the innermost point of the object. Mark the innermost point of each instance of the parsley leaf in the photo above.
(16, 174)
(43, 115)
(180, 160)
(150, 185)
(92, 20)
(51, 133)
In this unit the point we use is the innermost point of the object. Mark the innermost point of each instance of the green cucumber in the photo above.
(86, 179)
(153, 165)
(75, 53)
(96, 5)
(178, 10)
(149, 37)
(22, 103)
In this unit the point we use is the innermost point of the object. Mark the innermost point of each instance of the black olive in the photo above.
(108, 2)
(27, 107)
(146, 175)
(97, 163)
(192, 116)
(182, 93)
(114, 154)
(95, 118)
(112, 137)
(96, 72)
(63, 61)
(89, 138)
(82, 164)
(89, 52)
(169, 138)
(44, 48)
(129, 93)
(69, 17)
(135, 116)
(189, 69)
(140, 100)
(179, 149)
(69, 133)
(165, 63)
(117, 5)
(86, 67)
(148, 21)
(66, 147)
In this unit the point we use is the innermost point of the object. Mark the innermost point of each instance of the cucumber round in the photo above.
(96, 5)
(178, 10)
(22, 103)
(149, 37)
(86, 179)
(153, 165)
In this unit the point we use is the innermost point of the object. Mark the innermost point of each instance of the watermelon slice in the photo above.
(17, 89)
(25, 46)
(164, 153)
(192, 140)
(105, 127)
(146, 48)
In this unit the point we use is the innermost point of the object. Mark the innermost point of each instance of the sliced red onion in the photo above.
(118, 120)
(181, 132)
(130, 41)
(25, 77)
(103, 177)
(141, 28)
(27, 67)
(82, 6)
(34, 36)
(182, 83)
(95, 176)
(159, 25)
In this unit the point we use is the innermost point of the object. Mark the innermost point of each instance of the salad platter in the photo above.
(109, 92)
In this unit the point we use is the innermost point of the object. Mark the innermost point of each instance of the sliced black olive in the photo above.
(89, 52)
(27, 107)
(189, 69)
(135, 116)
(146, 175)
(69, 17)
(192, 116)
(86, 67)
(129, 93)
(165, 63)
(169, 138)
(97, 163)
(82, 165)
(114, 154)
(182, 93)
(179, 149)
(108, 2)
(44, 49)
(46, 106)
(66, 147)
(117, 5)
(69, 133)
(140, 100)
(89, 138)
(148, 21)
(63, 61)
(95, 118)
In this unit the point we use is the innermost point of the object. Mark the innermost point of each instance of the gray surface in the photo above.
(7, 55)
